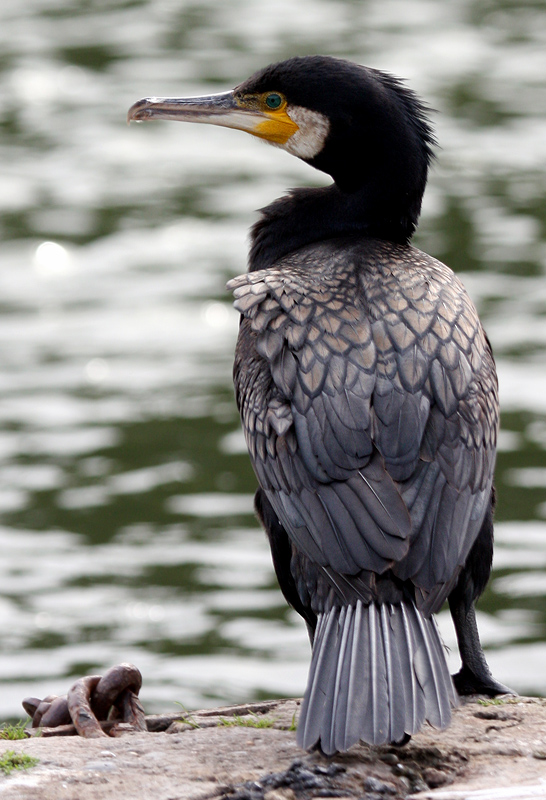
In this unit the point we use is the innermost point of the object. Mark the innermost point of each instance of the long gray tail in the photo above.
(377, 673)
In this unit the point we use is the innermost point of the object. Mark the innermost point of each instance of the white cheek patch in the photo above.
(309, 140)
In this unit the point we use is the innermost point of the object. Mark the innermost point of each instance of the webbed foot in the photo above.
(468, 682)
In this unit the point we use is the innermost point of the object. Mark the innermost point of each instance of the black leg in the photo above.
(474, 677)
(281, 551)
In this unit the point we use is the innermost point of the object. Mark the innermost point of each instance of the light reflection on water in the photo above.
(125, 492)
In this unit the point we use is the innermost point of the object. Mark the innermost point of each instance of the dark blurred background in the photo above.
(126, 530)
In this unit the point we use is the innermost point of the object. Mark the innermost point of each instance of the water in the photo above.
(126, 529)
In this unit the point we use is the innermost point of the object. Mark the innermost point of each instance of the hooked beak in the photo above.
(217, 109)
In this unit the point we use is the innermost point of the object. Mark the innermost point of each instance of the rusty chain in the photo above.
(93, 701)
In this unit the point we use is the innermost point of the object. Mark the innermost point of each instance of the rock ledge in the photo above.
(493, 749)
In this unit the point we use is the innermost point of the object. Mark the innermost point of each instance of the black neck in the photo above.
(309, 215)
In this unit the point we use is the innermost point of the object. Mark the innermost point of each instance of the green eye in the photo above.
(273, 100)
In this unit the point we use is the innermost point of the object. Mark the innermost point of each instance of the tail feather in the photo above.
(310, 728)
(413, 692)
(340, 699)
(377, 672)
(337, 699)
(378, 721)
(356, 685)
(395, 677)
(440, 705)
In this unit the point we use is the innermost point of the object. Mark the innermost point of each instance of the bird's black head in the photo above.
(361, 126)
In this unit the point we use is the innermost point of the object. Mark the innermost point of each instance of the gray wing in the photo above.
(368, 415)
(431, 345)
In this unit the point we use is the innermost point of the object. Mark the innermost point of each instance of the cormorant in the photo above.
(368, 397)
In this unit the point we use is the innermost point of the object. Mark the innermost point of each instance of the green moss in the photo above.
(12, 760)
(493, 702)
(12, 732)
(250, 721)
(188, 718)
